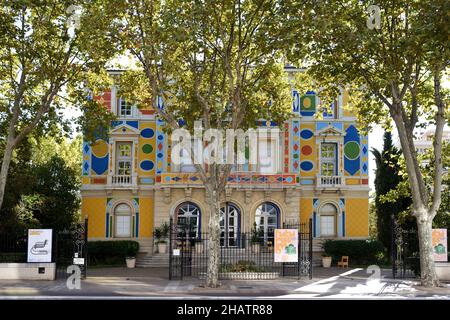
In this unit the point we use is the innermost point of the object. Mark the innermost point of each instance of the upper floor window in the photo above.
(123, 158)
(186, 164)
(124, 108)
(267, 156)
(328, 159)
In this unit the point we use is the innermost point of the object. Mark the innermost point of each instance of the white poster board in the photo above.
(286, 245)
(439, 240)
(40, 245)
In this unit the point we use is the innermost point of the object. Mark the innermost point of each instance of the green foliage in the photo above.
(58, 186)
(43, 187)
(364, 252)
(162, 232)
(373, 216)
(241, 266)
(387, 178)
(44, 148)
(257, 234)
(111, 252)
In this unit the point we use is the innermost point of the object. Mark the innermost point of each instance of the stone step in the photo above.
(151, 266)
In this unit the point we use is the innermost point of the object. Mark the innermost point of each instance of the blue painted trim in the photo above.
(134, 124)
(239, 228)
(343, 223)
(295, 101)
(314, 224)
(336, 158)
(199, 220)
(107, 225)
(137, 225)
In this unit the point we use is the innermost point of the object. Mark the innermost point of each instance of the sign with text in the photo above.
(40, 245)
(439, 242)
(286, 245)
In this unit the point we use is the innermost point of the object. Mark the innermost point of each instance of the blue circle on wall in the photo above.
(147, 165)
(306, 165)
(159, 155)
(147, 133)
(306, 134)
(160, 137)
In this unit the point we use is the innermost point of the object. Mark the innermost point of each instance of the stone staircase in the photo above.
(317, 252)
(157, 260)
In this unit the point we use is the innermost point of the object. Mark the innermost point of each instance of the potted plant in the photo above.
(161, 234)
(326, 257)
(326, 260)
(131, 252)
(255, 240)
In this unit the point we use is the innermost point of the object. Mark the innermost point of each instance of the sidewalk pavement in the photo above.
(152, 283)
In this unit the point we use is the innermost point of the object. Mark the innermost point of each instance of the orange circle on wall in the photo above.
(100, 148)
(306, 150)
(307, 102)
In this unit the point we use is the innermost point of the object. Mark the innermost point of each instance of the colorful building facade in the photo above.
(318, 169)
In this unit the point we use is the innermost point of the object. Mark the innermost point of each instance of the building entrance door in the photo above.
(230, 217)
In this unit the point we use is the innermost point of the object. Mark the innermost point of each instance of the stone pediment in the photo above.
(125, 128)
(330, 131)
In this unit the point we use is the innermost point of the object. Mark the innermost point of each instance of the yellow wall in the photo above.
(146, 217)
(94, 209)
(306, 209)
(356, 217)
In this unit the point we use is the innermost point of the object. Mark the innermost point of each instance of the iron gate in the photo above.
(405, 252)
(188, 253)
(71, 248)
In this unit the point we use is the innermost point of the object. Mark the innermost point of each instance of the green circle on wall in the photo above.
(147, 148)
(351, 150)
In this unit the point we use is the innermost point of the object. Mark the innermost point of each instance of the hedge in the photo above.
(111, 252)
(362, 252)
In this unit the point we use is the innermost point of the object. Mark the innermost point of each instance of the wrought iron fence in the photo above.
(405, 252)
(246, 253)
(70, 244)
(67, 245)
(13, 248)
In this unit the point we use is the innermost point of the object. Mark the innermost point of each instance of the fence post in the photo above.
(85, 253)
(310, 250)
(393, 247)
(300, 249)
(170, 247)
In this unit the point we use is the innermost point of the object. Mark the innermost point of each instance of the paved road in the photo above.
(115, 283)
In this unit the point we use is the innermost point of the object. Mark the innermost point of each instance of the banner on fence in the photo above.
(39, 245)
(439, 240)
(286, 245)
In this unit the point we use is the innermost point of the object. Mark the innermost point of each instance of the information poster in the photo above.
(286, 245)
(439, 240)
(39, 245)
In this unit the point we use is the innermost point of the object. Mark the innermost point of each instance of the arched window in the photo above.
(267, 219)
(230, 216)
(122, 214)
(188, 217)
(328, 214)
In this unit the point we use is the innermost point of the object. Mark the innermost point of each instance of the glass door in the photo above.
(229, 226)
(266, 219)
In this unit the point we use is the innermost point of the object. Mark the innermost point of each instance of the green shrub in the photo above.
(362, 252)
(111, 252)
(241, 266)
(12, 257)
